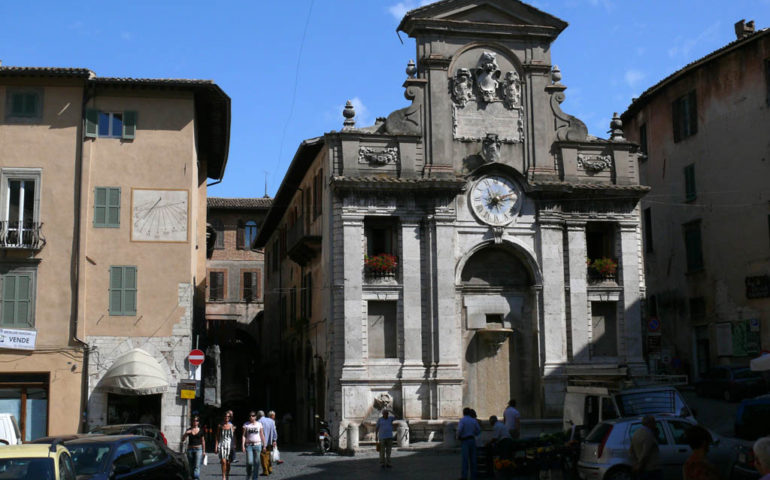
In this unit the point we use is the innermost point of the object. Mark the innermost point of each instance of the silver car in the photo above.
(605, 453)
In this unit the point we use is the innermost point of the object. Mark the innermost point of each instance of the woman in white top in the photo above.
(251, 444)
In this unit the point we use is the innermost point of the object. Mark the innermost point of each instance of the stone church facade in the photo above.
(475, 246)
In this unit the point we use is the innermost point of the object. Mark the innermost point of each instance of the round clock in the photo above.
(494, 200)
(159, 215)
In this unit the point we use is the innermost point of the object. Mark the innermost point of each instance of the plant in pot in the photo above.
(382, 264)
(602, 267)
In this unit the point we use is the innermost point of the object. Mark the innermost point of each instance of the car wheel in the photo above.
(619, 474)
(728, 396)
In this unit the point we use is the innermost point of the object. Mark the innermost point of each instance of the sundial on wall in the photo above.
(159, 215)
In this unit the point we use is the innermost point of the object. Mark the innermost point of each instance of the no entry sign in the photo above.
(196, 357)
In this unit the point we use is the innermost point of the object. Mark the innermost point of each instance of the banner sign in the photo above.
(17, 339)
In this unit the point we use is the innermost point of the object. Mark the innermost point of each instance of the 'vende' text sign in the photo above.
(17, 339)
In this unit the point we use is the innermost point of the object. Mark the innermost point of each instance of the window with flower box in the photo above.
(601, 261)
(380, 259)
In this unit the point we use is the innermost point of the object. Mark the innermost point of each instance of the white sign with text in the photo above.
(17, 339)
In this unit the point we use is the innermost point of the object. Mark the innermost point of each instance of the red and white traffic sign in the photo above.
(196, 357)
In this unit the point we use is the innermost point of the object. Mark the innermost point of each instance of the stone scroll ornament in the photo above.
(378, 156)
(594, 163)
(487, 102)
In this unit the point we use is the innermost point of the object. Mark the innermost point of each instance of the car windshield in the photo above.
(642, 403)
(26, 469)
(89, 458)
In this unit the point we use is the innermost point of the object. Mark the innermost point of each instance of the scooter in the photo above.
(324, 436)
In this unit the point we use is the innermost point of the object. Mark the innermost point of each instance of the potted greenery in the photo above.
(381, 264)
(602, 267)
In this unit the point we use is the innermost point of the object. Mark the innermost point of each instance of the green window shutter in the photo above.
(107, 207)
(17, 300)
(30, 104)
(100, 206)
(129, 125)
(92, 122)
(690, 192)
(113, 207)
(116, 290)
(129, 290)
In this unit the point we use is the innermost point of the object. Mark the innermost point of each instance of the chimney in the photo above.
(743, 29)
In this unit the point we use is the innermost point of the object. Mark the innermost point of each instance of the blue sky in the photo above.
(290, 66)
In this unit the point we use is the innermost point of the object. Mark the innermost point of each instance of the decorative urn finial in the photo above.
(616, 128)
(349, 113)
(556, 74)
(411, 69)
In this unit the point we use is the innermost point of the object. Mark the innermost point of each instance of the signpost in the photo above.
(196, 357)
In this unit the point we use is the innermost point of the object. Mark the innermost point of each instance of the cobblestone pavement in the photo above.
(304, 464)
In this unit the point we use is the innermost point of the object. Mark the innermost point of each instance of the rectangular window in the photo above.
(18, 296)
(692, 243)
(604, 330)
(107, 207)
(648, 229)
(111, 124)
(219, 229)
(685, 116)
(690, 192)
(23, 104)
(382, 329)
(25, 396)
(19, 226)
(250, 285)
(643, 140)
(216, 286)
(122, 290)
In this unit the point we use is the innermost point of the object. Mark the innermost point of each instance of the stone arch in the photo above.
(511, 244)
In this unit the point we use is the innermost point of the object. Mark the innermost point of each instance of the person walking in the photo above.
(697, 467)
(645, 453)
(224, 443)
(196, 446)
(271, 440)
(512, 419)
(384, 435)
(467, 430)
(251, 444)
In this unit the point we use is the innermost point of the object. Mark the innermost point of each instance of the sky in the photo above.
(289, 66)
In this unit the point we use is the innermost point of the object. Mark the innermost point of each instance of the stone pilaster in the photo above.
(630, 268)
(554, 321)
(412, 296)
(353, 232)
(449, 332)
(578, 291)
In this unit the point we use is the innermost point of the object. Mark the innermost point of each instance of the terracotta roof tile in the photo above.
(239, 203)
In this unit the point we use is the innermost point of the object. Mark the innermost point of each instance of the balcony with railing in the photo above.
(22, 235)
(602, 271)
(303, 241)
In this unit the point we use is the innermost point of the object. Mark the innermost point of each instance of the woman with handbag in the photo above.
(196, 446)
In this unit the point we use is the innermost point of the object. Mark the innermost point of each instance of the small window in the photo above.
(690, 193)
(23, 104)
(685, 116)
(216, 286)
(648, 229)
(249, 234)
(18, 297)
(219, 229)
(382, 329)
(110, 124)
(107, 207)
(643, 140)
(693, 246)
(19, 226)
(123, 291)
(250, 291)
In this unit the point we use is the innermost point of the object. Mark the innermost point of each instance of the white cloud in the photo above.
(685, 46)
(633, 77)
(399, 9)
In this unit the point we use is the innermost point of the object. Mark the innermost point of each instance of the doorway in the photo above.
(134, 409)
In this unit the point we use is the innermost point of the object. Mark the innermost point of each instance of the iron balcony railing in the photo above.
(22, 235)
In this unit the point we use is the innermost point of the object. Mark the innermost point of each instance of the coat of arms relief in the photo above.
(487, 102)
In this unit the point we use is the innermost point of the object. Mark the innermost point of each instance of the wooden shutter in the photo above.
(100, 206)
(107, 207)
(689, 183)
(693, 111)
(216, 286)
(92, 122)
(129, 125)
(123, 290)
(239, 235)
(113, 207)
(675, 119)
(17, 300)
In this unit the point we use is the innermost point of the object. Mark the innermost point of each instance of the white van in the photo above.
(587, 405)
(9, 430)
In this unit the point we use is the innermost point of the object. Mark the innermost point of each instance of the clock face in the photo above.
(158, 215)
(494, 200)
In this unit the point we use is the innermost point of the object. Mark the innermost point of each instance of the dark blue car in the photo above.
(126, 457)
(730, 383)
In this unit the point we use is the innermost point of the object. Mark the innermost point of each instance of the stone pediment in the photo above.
(499, 12)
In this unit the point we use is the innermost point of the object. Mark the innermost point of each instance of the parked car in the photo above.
(744, 468)
(36, 462)
(126, 457)
(752, 419)
(605, 453)
(146, 429)
(9, 430)
(730, 383)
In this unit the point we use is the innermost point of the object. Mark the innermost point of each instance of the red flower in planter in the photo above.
(384, 262)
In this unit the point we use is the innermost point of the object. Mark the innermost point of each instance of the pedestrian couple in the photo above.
(259, 439)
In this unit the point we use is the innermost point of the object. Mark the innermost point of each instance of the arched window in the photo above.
(250, 234)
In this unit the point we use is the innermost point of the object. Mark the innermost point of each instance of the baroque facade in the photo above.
(706, 221)
(103, 241)
(474, 246)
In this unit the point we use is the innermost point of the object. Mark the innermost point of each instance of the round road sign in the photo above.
(196, 357)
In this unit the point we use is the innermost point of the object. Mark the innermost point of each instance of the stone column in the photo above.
(630, 265)
(578, 291)
(353, 261)
(449, 331)
(412, 296)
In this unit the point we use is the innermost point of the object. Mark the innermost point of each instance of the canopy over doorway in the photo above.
(135, 372)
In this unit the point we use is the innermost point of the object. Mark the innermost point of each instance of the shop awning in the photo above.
(135, 373)
(761, 364)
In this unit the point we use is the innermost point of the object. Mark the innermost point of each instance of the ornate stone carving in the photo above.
(349, 113)
(484, 103)
(490, 148)
(383, 401)
(594, 163)
(378, 155)
(568, 127)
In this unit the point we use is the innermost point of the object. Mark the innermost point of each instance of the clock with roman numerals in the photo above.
(494, 200)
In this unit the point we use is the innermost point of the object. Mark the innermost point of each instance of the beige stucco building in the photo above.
(111, 172)
(706, 220)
